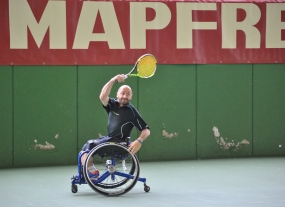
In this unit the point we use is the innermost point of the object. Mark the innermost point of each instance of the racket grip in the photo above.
(126, 76)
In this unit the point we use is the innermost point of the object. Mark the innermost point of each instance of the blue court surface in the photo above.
(243, 182)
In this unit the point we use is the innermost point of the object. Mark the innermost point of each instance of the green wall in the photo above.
(6, 117)
(44, 105)
(269, 110)
(49, 112)
(224, 101)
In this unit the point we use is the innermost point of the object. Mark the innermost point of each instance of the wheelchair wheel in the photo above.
(119, 169)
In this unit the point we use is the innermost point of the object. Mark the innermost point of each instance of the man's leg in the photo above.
(90, 161)
(92, 171)
(88, 146)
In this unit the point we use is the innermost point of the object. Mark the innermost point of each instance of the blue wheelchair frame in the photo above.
(80, 178)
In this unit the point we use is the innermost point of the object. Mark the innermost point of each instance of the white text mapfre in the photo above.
(54, 21)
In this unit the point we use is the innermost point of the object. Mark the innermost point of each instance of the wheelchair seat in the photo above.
(119, 170)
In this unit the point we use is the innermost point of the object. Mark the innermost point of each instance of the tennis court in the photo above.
(242, 182)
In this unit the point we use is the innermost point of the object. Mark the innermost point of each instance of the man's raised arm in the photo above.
(104, 95)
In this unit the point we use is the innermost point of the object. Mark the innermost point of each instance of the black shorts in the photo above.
(94, 142)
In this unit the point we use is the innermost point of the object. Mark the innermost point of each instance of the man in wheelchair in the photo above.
(122, 117)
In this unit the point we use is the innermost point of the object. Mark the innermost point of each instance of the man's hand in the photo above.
(104, 95)
(134, 147)
(120, 78)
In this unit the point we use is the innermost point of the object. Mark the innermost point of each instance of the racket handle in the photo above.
(126, 76)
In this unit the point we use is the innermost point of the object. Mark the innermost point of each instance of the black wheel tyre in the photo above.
(146, 188)
(113, 151)
(74, 189)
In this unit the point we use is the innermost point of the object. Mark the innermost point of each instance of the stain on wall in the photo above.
(46, 146)
(167, 134)
(228, 145)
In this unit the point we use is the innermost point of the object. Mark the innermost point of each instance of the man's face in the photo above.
(124, 95)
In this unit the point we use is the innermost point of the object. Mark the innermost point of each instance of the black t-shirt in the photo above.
(121, 120)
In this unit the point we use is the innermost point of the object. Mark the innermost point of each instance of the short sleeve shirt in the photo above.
(121, 120)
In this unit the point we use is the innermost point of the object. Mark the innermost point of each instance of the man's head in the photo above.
(124, 94)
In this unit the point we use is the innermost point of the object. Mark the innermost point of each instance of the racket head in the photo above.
(145, 66)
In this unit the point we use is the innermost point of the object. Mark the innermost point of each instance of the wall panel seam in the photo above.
(77, 111)
(252, 110)
(13, 118)
(196, 109)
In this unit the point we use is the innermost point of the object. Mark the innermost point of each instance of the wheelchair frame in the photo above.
(120, 170)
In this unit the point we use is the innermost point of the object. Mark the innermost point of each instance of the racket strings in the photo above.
(146, 66)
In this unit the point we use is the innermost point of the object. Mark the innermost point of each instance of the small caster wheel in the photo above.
(146, 188)
(74, 189)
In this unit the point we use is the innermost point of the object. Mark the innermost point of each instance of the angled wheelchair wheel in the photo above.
(118, 168)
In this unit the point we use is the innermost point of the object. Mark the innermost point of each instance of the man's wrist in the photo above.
(140, 141)
(114, 80)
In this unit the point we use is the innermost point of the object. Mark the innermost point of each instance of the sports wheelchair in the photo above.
(119, 170)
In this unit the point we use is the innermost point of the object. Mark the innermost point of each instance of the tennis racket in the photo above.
(145, 67)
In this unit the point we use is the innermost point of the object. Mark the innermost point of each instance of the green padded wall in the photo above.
(49, 112)
(6, 116)
(167, 103)
(269, 110)
(92, 117)
(45, 115)
(224, 101)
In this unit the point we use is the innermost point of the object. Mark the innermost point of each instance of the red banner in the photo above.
(77, 32)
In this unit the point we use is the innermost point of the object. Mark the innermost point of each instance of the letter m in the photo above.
(21, 18)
